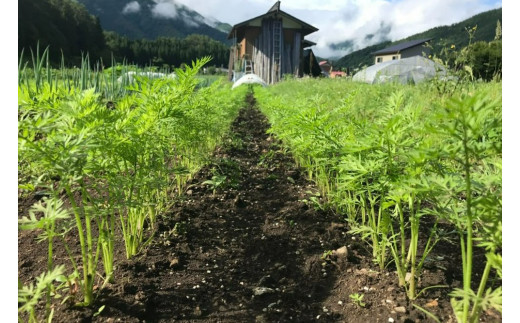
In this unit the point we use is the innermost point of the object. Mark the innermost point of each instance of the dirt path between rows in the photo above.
(250, 251)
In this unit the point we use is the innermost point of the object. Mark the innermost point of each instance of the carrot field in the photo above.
(175, 199)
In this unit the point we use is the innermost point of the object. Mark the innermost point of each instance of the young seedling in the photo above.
(357, 299)
(28, 296)
(326, 254)
(52, 210)
(215, 182)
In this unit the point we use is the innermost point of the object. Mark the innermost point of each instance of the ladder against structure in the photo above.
(248, 65)
(277, 49)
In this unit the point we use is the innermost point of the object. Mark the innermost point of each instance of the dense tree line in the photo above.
(67, 27)
(167, 51)
(485, 59)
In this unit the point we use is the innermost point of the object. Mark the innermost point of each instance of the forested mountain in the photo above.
(65, 25)
(455, 34)
(150, 19)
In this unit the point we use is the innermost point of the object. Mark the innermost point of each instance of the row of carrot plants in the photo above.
(397, 161)
(105, 161)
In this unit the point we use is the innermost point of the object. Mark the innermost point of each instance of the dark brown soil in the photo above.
(251, 252)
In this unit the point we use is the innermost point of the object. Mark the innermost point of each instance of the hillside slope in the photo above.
(455, 34)
(153, 18)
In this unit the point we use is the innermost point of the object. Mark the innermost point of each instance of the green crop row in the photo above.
(111, 163)
(397, 161)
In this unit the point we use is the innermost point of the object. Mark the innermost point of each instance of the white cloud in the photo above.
(132, 7)
(229, 11)
(171, 9)
(191, 21)
(165, 9)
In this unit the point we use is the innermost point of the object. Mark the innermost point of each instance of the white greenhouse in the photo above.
(249, 79)
(407, 70)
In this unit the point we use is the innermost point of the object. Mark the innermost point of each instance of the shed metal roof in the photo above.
(308, 43)
(399, 47)
(274, 11)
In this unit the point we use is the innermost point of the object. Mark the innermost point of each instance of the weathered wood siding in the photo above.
(251, 35)
(263, 53)
(248, 42)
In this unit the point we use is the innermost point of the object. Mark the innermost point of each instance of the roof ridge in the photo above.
(275, 7)
(402, 45)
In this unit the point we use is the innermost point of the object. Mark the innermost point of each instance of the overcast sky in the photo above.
(340, 20)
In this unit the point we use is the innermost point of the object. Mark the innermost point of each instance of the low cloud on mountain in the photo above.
(132, 7)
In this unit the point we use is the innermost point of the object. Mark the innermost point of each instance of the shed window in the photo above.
(394, 58)
(379, 59)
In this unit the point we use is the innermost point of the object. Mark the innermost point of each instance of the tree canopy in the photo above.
(63, 25)
(67, 28)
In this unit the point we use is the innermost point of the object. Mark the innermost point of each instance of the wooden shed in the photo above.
(269, 45)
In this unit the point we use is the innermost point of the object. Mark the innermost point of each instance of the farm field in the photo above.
(310, 200)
